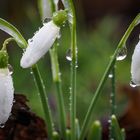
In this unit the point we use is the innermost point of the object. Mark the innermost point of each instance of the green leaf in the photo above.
(123, 133)
(118, 133)
(55, 136)
(13, 31)
(68, 132)
(77, 128)
(95, 132)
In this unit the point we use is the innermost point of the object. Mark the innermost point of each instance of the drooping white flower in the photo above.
(40, 44)
(135, 65)
(6, 94)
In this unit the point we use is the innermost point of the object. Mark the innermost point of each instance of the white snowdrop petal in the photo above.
(6, 95)
(39, 44)
(135, 65)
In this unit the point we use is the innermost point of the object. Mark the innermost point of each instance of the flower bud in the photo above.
(6, 94)
(135, 65)
(40, 44)
(60, 17)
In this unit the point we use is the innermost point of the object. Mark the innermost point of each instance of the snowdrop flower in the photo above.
(6, 89)
(6, 94)
(43, 40)
(135, 65)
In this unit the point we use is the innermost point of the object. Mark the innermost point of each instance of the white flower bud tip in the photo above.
(39, 44)
(135, 65)
(6, 95)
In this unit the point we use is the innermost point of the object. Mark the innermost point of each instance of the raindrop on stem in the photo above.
(122, 54)
(68, 55)
(110, 75)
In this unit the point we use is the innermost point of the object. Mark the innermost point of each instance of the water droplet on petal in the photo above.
(46, 20)
(122, 54)
(14, 101)
(2, 125)
(132, 84)
(30, 41)
(68, 55)
(10, 69)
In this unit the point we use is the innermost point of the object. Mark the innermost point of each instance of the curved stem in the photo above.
(105, 76)
(6, 42)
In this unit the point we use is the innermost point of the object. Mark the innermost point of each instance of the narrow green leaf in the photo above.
(68, 133)
(117, 132)
(123, 133)
(95, 132)
(77, 128)
(55, 136)
(13, 31)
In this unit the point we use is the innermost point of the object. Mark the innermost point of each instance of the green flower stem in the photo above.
(6, 42)
(72, 21)
(44, 100)
(57, 80)
(105, 77)
(113, 92)
(73, 84)
(113, 97)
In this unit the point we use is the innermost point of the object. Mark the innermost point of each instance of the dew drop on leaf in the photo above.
(122, 54)
(68, 55)
(110, 75)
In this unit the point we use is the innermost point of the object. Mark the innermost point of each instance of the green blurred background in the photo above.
(100, 26)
